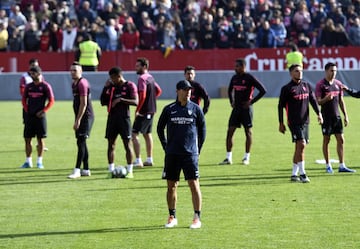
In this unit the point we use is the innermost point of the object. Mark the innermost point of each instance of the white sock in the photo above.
(39, 160)
(29, 160)
(342, 165)
(301, 167)
(247, 156)
(111, 167)
(295, 169)
(229, 155)
(138, 160)
(149, 159)
(130, 168)
(328, 165)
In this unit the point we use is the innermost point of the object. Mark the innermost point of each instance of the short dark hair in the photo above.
(293, 66)
(188, 68)
(75, 63)
(241, 61)
(115, 71)
(143, 61)
(329, 64)
(33, 60)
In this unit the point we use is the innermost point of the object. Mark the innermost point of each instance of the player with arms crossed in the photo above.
(295, 98)
(118, 94)
(186, 130)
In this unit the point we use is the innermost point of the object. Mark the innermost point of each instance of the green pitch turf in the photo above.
(253, 206)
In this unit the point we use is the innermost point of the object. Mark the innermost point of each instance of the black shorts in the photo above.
(299, 132)
(85, 127)
(143, 124)
(118, 126)
(332, 126)
(175, 163)
(240, 117)
(35, 126)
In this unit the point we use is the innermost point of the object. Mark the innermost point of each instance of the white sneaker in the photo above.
(76, 174)
(138, 164)
(85, 172)
(245, 161)
(111, 168)
(195, 224)
(172, 221)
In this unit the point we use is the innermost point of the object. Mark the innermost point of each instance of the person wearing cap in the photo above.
(240, 92)
(84, 119)
(118, 94)
(185, 134)
(198, 91)
(34, 99)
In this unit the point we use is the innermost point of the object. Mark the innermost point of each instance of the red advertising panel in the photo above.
(257, 59)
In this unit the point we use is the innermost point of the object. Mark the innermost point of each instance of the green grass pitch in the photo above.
(253, 206)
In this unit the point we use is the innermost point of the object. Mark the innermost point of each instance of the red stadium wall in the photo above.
(258, 59)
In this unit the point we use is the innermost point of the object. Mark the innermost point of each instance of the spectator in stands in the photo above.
(263, 10)
(354, 32)
(302, 18)
(44, 12)
(265, 36)
(169, 39)
(130, 38)
(240, 37)
(19, 18)
(341, 37)
(318, 16)
(224, 34)
(328, 33)
(108, 13)
(32, 39)
(113, 32)
(207, 35)
(60, 14)
(29, 11)
(280, 31)
(15, 41)
(249, 27)
(4, 37)
(303, 41)
(337, 15)
(101, 37)
(86, 13)
(350, 15)
(69, 36)
(3, 18)
(148, 35)
(56, 37)
(44, 41)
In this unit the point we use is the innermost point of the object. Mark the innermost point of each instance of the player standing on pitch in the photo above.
(330, 97)
(118, 94)
(33, 100)
(198, 91)
(295, 98)
(185, 128)
(240, 92)
(84, 119)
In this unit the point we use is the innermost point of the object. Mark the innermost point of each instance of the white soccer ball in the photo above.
(119, 172)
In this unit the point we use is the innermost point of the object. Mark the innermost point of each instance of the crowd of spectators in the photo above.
(130, 25)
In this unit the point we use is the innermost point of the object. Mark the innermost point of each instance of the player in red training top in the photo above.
(148, 91)
(118, 94)
(34, 98)
(295, 98)
(84, 119)
(329, 94)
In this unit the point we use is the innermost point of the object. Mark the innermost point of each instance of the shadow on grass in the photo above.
(93, 231)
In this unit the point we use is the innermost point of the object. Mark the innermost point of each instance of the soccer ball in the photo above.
(119, 172)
